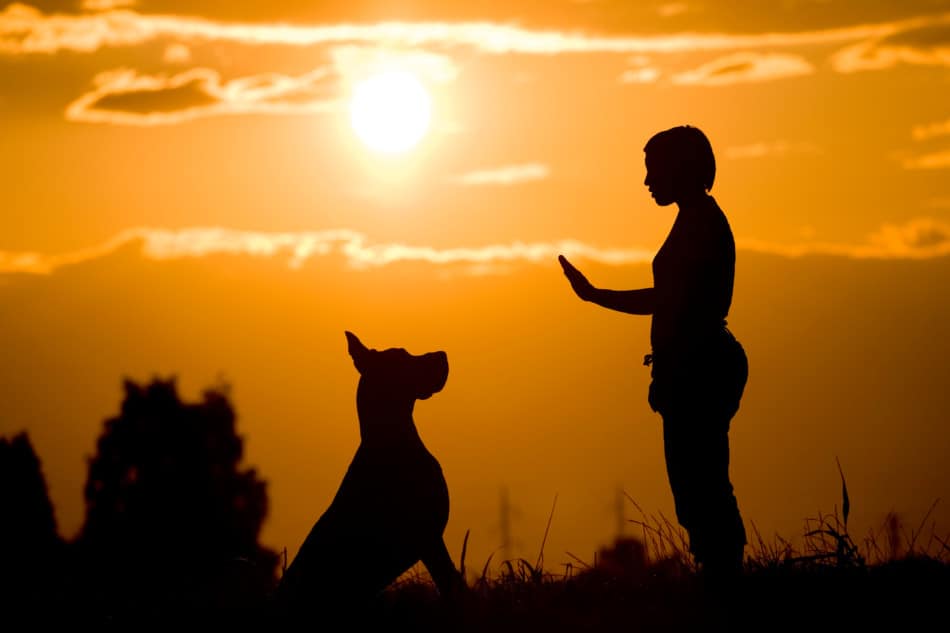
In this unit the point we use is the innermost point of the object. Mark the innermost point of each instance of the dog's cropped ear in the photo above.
(358, 352)
(434, 374)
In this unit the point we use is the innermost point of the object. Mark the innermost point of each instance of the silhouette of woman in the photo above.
(698, 368)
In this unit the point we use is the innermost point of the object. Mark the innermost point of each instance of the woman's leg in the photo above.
(697, 463)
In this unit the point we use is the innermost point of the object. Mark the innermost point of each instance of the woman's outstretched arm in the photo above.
(639, 301)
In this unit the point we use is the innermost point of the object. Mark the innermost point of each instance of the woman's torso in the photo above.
(693, 274)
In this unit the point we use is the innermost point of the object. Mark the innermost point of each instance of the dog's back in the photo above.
(393, 504)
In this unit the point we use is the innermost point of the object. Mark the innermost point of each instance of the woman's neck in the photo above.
(692, 201)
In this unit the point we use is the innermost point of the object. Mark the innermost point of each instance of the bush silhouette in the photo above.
(168, 506)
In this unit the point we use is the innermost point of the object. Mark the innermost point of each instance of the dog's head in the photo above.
(397, 373)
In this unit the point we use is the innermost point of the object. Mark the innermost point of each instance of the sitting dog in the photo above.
(393, 504)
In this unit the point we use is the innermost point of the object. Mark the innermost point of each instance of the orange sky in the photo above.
(183, 193)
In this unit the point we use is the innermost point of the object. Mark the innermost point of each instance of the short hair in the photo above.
(687, 150)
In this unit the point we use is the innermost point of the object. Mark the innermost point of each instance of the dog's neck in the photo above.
(385, 418)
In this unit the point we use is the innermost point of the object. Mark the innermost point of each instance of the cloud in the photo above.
(931, 130)
(354, 62)
(106, 5)
(672, 9)
(508, 175)
(923, 237)
(26, 30)
(643, 72)
(746, 67)
(177, 53)
(640, 75)
(161, 244)
(124, 97)
(41, 264)
(933, 160)
(920, 238)
(939, 159)
(775, 148)
(917, 239)
(926, 44)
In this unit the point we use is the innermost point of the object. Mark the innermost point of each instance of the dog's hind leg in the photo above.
(443, 571)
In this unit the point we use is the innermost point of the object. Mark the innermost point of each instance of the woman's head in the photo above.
(680, 163)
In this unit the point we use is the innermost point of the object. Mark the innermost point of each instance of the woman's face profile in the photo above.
(659, 181)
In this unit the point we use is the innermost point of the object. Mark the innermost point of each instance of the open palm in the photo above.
(582, 287)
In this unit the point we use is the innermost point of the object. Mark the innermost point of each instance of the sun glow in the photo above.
(390, 111)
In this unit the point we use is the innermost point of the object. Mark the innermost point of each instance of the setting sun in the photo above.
(390, 111)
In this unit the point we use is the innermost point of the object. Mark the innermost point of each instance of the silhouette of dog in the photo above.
(393, 504)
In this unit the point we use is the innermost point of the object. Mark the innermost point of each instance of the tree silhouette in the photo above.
(29, 541)
(169, 510)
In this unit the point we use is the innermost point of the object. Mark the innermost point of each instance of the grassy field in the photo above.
(895, 577)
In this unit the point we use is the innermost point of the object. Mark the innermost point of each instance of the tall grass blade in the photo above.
(546, 529)
(916, 534)
(845, 501)
(484, 579)
(464, 550)
(584, 564)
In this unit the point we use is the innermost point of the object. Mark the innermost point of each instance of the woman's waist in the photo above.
(696, 335)
(692, 347)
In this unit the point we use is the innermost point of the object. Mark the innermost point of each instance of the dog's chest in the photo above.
(405, 472)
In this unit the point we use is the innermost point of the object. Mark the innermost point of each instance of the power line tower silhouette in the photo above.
(620, 512)
(506, 514)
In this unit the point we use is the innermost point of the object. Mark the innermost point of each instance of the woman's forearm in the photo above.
(639, 301)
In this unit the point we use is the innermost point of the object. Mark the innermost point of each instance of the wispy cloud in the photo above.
(775, 148)
(124, 97)
(27, 30)
(915, 160)
(932, 160)
(931, 130)
(354, 62)
(177, 53)
(672, 9)
(35, 263)
(643, 71)
(507, 175)
(925, 44)
(744, 67)
(646, 75)
(920, 238)
(917, 239)
(163, 244)
(106, 5)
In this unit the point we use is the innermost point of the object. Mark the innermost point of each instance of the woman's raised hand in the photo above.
(579, 283)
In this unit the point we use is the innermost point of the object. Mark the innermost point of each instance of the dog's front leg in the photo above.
(443, 571)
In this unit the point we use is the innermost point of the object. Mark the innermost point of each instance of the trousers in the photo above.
(697, 393)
